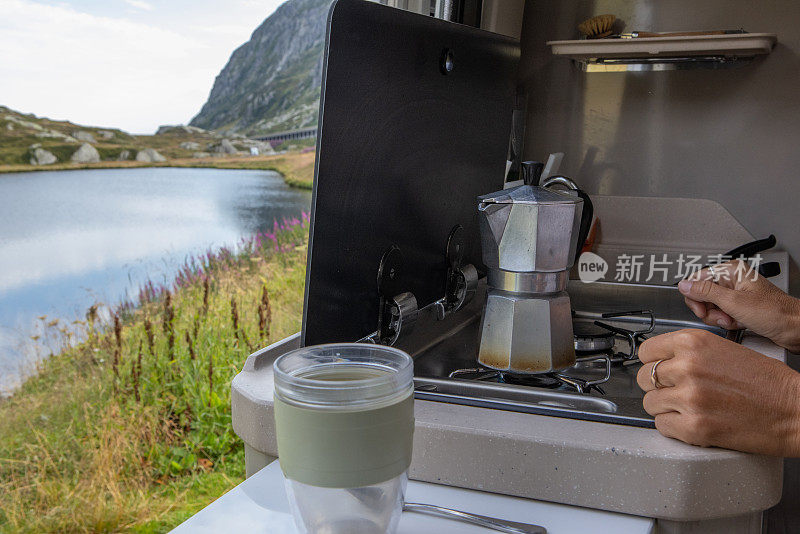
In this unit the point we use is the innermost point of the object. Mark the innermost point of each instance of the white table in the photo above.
(259, 505)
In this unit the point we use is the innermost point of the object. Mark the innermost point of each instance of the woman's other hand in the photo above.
(733, 296)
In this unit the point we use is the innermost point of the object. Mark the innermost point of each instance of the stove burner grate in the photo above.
(542, 380)
(594, 344)
(633, 337)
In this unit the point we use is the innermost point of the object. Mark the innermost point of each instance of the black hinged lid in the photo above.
(404, 147)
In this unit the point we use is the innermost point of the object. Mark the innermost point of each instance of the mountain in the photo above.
(272, 82)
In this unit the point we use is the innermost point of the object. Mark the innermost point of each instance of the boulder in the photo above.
(194, 130)
(164, 129)
(81, 135)
(86, 153)
(40, 156)
(149, 155)
(224, 147)
(24, 123)
(178, 128)
(53, 134)
(190, 145)
(124, 155)
(105, 134)
(201, 155)
(262, 147)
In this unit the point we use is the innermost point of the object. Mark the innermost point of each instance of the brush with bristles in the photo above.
(597, 27)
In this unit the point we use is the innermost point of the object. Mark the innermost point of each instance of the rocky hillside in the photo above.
(272, 82)
(28, 139)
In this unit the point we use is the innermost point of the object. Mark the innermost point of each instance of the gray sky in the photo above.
(130, 64)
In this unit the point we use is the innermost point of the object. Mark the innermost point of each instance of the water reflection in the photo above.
(71, 238)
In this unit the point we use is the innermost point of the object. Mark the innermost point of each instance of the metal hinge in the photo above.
(398, 310)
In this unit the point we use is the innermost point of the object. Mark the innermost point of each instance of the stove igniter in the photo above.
(592, 338)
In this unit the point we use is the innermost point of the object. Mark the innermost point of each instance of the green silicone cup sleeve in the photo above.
(344, 449)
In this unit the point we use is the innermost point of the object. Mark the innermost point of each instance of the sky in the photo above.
(129, 64)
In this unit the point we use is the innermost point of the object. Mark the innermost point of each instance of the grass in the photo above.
(130, 429)
(297, 169)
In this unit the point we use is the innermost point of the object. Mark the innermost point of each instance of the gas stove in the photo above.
(609, 328)
(598, 344)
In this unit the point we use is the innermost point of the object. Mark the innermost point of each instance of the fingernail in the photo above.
(684, 286)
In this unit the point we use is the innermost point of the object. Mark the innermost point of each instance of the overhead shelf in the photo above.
(659, 53)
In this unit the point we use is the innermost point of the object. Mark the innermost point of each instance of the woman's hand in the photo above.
(718, 393)
(734, 296)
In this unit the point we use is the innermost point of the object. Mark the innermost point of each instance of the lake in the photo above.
(69, 239)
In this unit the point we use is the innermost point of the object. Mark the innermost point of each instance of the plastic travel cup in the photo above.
(344, 420)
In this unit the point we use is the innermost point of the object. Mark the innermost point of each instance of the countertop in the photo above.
(594, 465)
(259, 504)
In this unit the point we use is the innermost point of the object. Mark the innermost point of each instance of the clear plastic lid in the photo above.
(344, 375)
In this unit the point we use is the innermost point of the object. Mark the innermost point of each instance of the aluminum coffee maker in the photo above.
(530, 236)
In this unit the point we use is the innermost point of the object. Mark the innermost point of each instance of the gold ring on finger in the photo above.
(654, 375)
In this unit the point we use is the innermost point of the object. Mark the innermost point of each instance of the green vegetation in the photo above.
(297, 169)
(61, 151)
(294, 144)
(129, 429)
